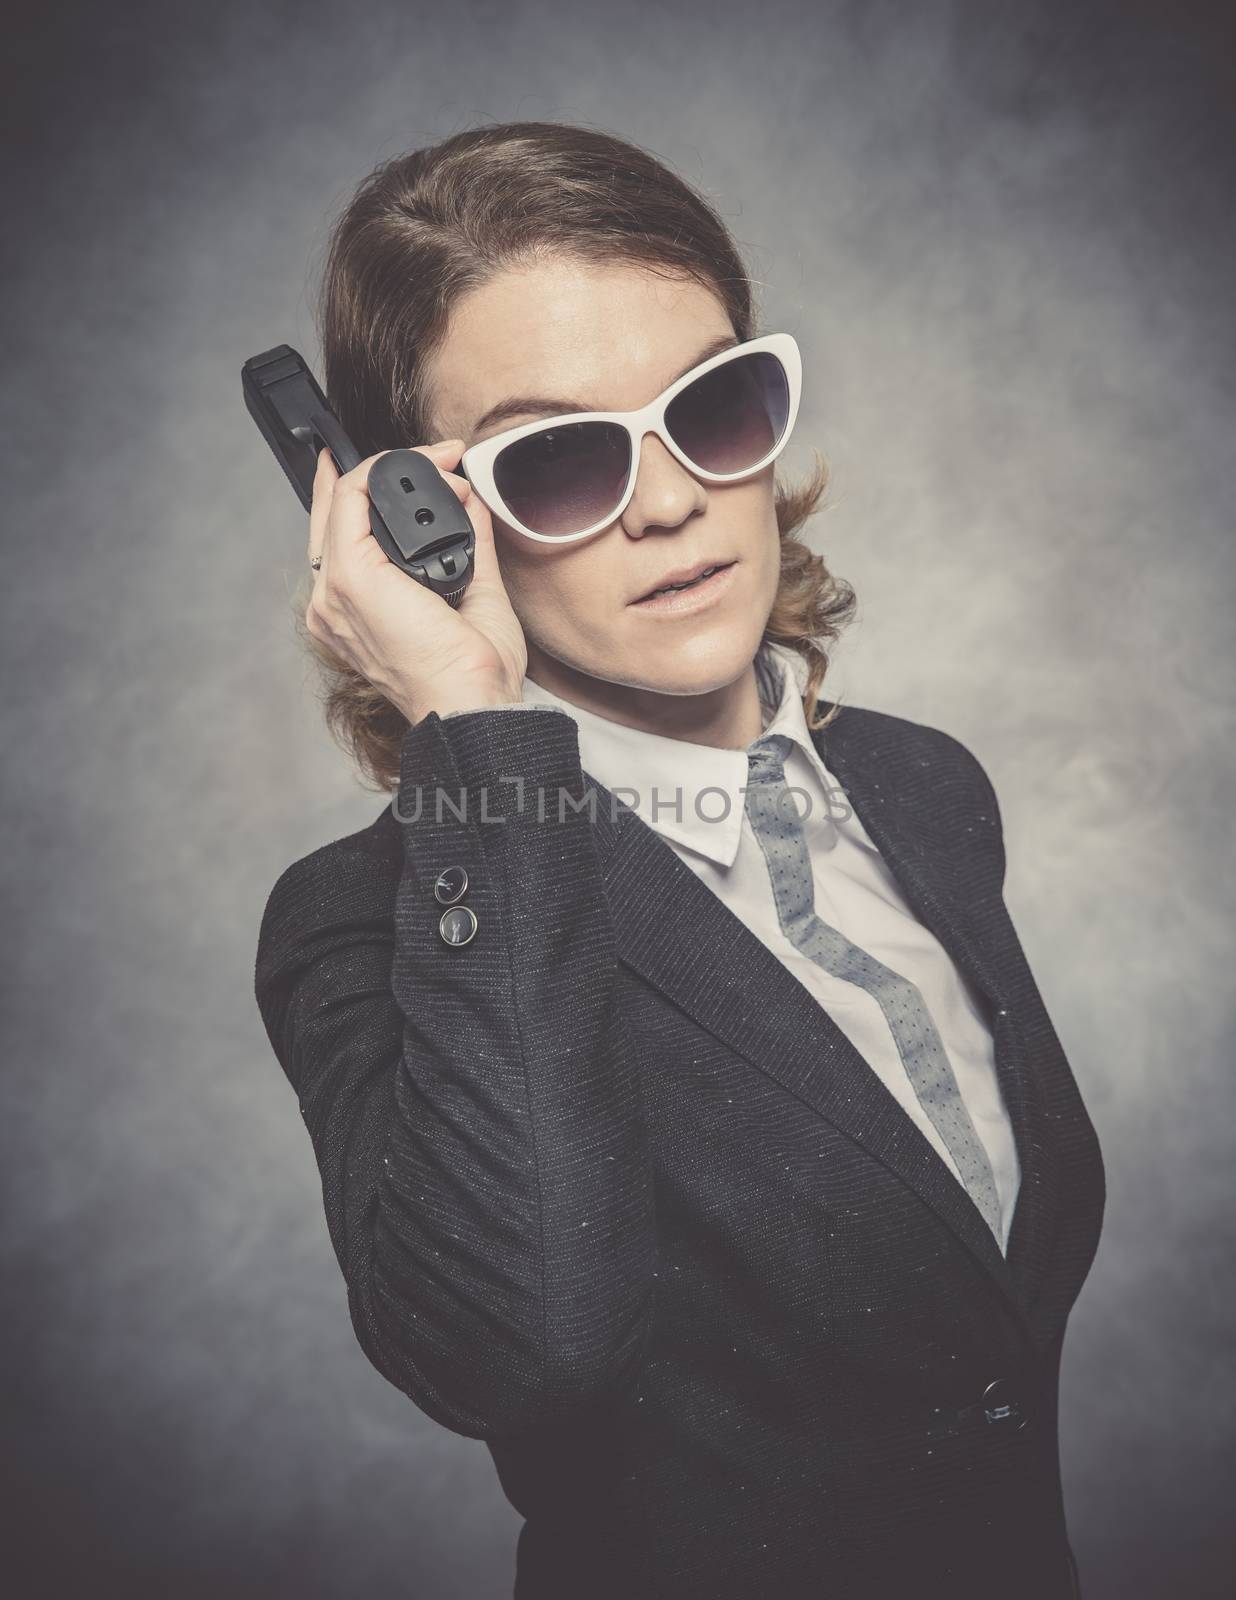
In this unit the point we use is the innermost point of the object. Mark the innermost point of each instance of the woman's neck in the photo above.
(728, 718)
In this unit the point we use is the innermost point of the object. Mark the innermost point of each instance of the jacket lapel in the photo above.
(686, 942)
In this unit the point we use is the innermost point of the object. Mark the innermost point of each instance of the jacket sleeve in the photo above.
(475, 1110)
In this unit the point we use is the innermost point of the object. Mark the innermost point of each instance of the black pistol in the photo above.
(414, 513)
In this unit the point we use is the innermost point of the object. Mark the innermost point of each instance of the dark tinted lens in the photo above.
(734, 415)
(565, 479)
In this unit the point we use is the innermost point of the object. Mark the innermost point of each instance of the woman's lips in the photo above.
(703, 592)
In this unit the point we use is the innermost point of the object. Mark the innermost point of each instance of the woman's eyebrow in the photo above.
(531, 405)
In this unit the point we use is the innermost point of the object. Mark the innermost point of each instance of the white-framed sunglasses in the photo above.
(566, 477)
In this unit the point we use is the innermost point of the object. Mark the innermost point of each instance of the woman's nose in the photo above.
(665, 493)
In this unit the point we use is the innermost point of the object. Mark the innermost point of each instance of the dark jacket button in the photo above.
(457, 925)
(452, 885)
(1002, 1404)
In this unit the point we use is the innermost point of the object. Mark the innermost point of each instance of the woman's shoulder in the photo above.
(925, 771)
(922, 766)
(919, 749)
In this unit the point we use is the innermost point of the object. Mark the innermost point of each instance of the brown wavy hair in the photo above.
(422, 230)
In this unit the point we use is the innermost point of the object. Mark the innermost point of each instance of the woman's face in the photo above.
(611, 338)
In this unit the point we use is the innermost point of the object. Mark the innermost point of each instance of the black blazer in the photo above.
(612, 1192)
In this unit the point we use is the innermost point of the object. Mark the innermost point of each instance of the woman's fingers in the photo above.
(324, 480)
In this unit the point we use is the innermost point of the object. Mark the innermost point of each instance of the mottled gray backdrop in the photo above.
(1004, 237)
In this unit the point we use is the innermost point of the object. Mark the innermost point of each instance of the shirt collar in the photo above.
(691, 793)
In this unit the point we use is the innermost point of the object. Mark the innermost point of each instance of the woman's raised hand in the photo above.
(417, 650)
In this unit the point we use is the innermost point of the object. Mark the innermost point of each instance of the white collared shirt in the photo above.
(692, 795)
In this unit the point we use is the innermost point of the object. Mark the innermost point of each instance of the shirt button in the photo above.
(451, 885)
(457, 925)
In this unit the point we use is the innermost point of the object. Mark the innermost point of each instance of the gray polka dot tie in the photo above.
(774, 815)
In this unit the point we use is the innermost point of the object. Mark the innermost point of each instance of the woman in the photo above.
(691, 1128)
